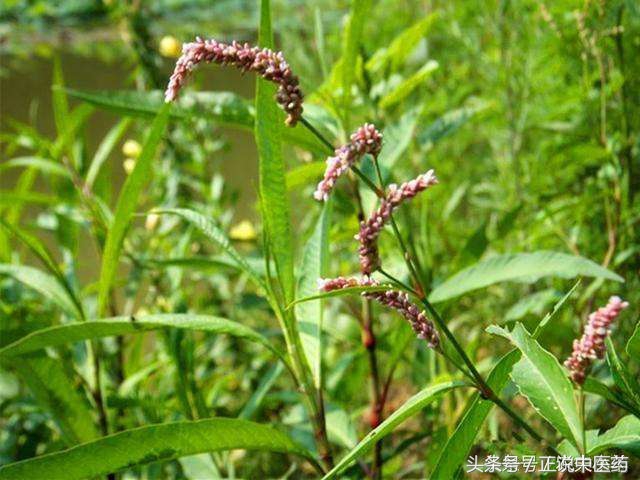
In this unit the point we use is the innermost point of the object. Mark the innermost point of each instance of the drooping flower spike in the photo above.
(371, 228)
(268, 64)
(365, 140)
(591, 345)
(399, 301)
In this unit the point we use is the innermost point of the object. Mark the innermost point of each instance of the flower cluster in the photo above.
(370, 229)
(365, 140)
(591, 346)
(268, 64)
(394, 299)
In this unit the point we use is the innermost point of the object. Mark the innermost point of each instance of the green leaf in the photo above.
(447, 124)
(45, 284)
(11, 198)
(351, 45)
(625, 436)
(519, 266)
(76, 332)
(408, 409)
(47, 380)
(215, 233)
(224, 108)
(315, 259)
(455, 451)
(42, 164)
(401, 46)
(74, 122)
(152, 443)
(304, 174)
(273, 188)
(40, 250)
(404, 89)
(596, 387)
(533, 303)
(257, 397)
(127, 201)
(459, 444)
(621, 375)
(340, 292)
(59, 99)
(633, 345)
(105, 148)
(540, 377)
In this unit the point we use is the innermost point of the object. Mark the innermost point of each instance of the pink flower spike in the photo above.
(371, 228)
(364, 140)
(591, 345)
(268, 64)
(399, 301)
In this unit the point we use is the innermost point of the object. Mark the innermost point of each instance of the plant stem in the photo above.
(317, 133)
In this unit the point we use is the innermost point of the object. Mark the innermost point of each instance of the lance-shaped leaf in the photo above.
(519, 266)
(224, 108)
(209, 228)
(127, 202)
(76, 332)
(273, 188)
(45, 284)
(633, 345)
(52, 388)
(455, 451)
(542, 380)
(625, 436)
(340, 292)
(153, 443)
(621, 375)
(309, 314)
(409, 408)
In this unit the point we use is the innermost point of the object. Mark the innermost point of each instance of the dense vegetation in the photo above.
(161, 320)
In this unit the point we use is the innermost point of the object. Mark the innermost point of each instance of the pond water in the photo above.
(25, 95)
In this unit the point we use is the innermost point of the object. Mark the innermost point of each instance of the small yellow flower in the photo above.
(170, 47)
(152, 221)
(131, 149)
(128, 165)
(244, 231)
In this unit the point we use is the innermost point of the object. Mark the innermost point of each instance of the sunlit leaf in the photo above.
(152, 443)
(309, 314)
(519, 266)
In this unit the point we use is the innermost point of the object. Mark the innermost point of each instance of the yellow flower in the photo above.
(128, 165)
(244, 231)
(170, 47)
(152, 221)
(131, 149)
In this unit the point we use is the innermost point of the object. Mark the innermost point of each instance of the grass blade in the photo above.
(105, 148)
(107, 327)
(126, 205)
(45, 284)
(409, 408)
